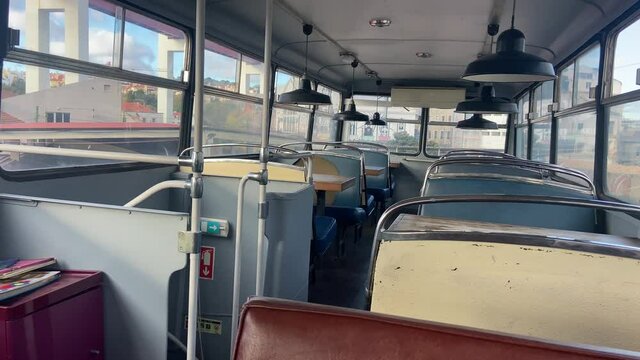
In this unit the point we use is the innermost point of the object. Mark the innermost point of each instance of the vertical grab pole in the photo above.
(264, 151)
(196, 188)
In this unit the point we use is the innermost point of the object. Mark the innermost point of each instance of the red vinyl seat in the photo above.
(282, 329)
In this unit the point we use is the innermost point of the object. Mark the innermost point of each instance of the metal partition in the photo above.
(136, 249)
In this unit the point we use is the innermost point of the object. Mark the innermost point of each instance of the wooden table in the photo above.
(394, 164)
(374, 170)
(324, 182)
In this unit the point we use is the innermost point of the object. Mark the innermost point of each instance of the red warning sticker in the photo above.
(207, 258)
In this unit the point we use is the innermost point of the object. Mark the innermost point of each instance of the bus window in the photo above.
(228, 120)
(221, 66)
(587, 67)
(402, 132)
(251, 77)
(41, 107)
(576, 141)
(522, 127)
(324, 128)
(623, 152)
(626, 60)
(541, 141)
(565, 90)
(444, 136)
(151, 47)
(288, 125)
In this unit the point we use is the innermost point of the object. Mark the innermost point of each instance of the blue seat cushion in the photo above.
(347, 215)
(326, 229)
(380, 194)
(371, 205)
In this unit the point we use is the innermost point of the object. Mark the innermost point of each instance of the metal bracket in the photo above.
(263, 210)
(197, 161)
(196, 187)
(189, 242)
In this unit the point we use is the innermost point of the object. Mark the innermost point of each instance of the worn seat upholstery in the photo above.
(281, 329)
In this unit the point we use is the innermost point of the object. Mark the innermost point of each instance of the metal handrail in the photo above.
(381, 227)
(509, 162)
(251, 145)
(470, 152)
(367, 143)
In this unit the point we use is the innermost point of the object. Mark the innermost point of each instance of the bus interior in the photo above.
(295, 179)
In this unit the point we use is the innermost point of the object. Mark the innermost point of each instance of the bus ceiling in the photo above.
(406, 43)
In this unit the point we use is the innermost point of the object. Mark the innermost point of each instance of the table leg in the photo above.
(321, 202)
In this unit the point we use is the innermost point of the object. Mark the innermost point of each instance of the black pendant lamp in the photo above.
(376, 120)
(477, 122)
(305, 95)
(487, 103)
(350, 113)
(510, 63)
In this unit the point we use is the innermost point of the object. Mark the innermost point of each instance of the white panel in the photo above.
(558, 294)
(136, 250)
(426, 97)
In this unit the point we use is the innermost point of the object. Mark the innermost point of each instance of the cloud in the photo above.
(101, 46)
(17, 18)
(138, 56)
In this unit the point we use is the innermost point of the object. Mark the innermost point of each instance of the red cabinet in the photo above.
(60, 321)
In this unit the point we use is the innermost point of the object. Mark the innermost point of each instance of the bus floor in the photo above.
(341, 281)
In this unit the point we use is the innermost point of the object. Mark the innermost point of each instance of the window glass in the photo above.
(288, 126)
(546, 97)
(541, 141)
(537, 102)
(251, 72)
(230, 121)
(522, 134)
(324, 128)
(566, 87)
(400, 135)
(221, 67)
(89, 35)
(150, 47)
(586, 76)
(50, 108)
(521, 117)
(442, 138)
(626, 61)
(336, 100)
(576, 142)
(525, 107)
(623, 152)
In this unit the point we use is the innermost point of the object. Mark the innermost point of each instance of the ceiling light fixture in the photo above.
(510, 63)
(350, 113)
(487, 103)
(380, 22)
(423, 54)
(347, 57)
(376, 120)
(477, 122)
(305, 95)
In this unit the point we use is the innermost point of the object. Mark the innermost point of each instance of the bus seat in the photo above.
(548, 216)
(563, 294)
(280, 329)
(326, 229)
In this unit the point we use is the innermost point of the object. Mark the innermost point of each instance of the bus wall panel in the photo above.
(288, 240)
(115, 188)
(136, 250)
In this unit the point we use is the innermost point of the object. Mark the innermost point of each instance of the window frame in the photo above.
(82, 67)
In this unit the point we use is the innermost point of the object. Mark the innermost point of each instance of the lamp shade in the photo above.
(376, 120)
(350, 113)
(510, 63)
(477, 122)
(488, 103)
(304, 96)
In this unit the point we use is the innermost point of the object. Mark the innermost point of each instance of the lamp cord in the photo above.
(306, 54)
(353, 79)
(513, 14)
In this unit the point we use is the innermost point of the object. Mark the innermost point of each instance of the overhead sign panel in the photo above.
(442, 98)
